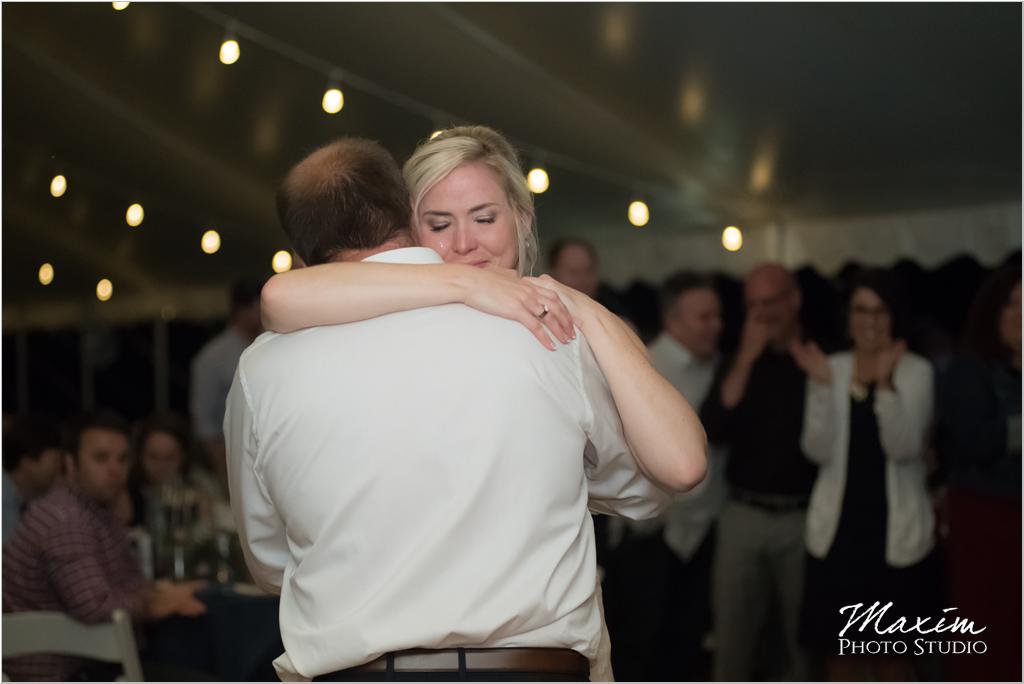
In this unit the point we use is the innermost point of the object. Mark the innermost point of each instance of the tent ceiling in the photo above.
(720, 114)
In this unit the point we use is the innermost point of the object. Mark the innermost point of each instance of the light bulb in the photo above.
(282, 262)
(732, 238)
(118, 6)
(435, 134)
(134, 215)
(58, 186)
(104, 290)
(46, 274)
(333, 100)
(639, 214)
(537, 180)
(229, 51)
(210, 242)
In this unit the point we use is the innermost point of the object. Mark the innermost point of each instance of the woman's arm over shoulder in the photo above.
(344, 292)
(660, 427)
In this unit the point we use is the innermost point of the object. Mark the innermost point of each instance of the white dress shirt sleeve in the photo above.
(260, 528)
(615, 482)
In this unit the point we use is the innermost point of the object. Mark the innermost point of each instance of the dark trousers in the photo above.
(658, 610)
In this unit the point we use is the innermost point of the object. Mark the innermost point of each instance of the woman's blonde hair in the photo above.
(435, 159)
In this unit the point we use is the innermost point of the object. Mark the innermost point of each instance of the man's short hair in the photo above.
(100, 420)
(28, 437)
(348, 195)
(560, 245)
(679, 283)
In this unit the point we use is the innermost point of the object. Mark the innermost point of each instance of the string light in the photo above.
(104, 290)
(46, 274)
(333, 100)
(229, 51)
(282, 261)
(118, 6)
(58, 186)
(134, 215)
(639, 214)
(537, 180)
(694, 102)
(210, 242)
(732, 238)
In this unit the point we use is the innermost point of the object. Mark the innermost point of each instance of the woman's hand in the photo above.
(574, 301)
(500, 292)
(888, 357)
(812, 361)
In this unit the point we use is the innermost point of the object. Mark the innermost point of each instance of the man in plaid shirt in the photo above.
(71, 553)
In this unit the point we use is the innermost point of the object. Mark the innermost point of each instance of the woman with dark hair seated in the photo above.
(170, 494)
(980, 441)
(870, 525)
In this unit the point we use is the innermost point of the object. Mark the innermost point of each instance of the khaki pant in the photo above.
(759, 562)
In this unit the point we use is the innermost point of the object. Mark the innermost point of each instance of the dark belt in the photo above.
(554, 661)
(770, 502)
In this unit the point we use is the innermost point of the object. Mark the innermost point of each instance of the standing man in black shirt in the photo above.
(757, 408)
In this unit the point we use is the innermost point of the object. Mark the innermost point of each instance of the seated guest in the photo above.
(980, 439)
(165, 466)
(870, 526)
(71, 554)
(31, 465)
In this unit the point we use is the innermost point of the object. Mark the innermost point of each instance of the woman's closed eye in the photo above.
(438, 227)
(485, 219)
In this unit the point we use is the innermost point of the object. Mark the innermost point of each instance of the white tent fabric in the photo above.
(989, 233)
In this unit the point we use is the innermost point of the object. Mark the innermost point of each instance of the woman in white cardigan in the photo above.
(870, 526)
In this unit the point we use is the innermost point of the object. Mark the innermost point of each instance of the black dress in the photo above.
(855, 570)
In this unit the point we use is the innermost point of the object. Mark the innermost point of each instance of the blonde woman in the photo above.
(471, 205)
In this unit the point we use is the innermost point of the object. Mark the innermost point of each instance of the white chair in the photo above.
(57, 633)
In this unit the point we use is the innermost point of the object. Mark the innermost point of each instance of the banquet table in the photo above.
(237, 638)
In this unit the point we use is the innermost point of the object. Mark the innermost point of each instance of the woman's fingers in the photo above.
(557, 319)
(537, 328)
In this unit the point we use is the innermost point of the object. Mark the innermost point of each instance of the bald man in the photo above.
(757, 408)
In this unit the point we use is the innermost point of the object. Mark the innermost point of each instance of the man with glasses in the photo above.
(756, 407)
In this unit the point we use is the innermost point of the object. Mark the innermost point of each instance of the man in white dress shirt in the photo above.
(659, 580)
(420, 480)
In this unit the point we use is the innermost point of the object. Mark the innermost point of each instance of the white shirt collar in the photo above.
(407, 255)
(678, 354)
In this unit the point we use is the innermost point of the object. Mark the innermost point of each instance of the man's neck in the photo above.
(360, 254)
